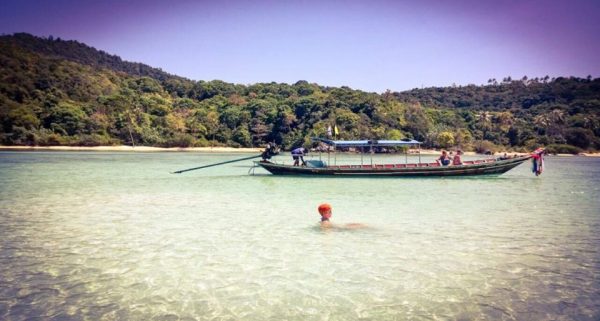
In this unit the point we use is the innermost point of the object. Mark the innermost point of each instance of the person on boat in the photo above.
(444, 159)
(325, 212)
(456, 160)
(298, 155)
(270, 151)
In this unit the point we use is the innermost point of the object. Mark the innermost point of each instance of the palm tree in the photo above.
(542, 121)
(484, 120)
(504, 120)
(557, 122)
(552, 122)
(557, 116)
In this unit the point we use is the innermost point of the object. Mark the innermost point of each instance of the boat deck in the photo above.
(475, 167)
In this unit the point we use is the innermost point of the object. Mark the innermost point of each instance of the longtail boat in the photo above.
(491, 166)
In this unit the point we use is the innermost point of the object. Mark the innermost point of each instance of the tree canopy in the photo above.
(56, 92)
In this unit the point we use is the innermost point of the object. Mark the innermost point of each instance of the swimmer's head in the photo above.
(325, 210)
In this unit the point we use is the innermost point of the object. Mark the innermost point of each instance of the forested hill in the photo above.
(78, 52)
(57, 92)
(510, 94)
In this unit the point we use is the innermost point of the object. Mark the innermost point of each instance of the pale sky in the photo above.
(366, 45)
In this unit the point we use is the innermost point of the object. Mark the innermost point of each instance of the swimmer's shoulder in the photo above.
(353, 226)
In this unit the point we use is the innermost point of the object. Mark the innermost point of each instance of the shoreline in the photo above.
(220, 149)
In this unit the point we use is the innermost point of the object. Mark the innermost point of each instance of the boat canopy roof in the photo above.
(365, 143)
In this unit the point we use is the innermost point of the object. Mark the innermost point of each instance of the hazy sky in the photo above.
(368, 45)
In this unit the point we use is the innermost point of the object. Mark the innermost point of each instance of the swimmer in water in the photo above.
(325, 211)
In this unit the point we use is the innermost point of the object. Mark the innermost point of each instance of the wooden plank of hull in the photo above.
(492, 168)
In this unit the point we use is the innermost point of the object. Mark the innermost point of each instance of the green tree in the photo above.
(394, 134)
(463, 138)
(445, 139)
(580, 137)
(417, 122)
(347, 122)
(66, 119)
(22, 116)
(211, 123)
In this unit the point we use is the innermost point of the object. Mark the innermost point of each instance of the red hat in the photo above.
(324, 208)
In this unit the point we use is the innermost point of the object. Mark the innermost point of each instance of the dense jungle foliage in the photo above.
(57, 92)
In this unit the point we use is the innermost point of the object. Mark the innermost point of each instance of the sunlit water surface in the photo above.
(115, 236)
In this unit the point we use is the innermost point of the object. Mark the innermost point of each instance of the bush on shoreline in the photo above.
(563, 149)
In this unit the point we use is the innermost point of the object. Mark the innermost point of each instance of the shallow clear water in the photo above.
(114, 236)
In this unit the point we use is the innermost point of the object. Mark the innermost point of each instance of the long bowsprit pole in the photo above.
(216, 164)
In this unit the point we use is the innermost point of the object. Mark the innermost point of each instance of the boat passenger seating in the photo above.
(468, 162)
(428, 164)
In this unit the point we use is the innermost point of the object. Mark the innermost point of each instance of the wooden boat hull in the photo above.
(483, 167)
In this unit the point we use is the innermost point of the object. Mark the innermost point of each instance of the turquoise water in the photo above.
(114, 236)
